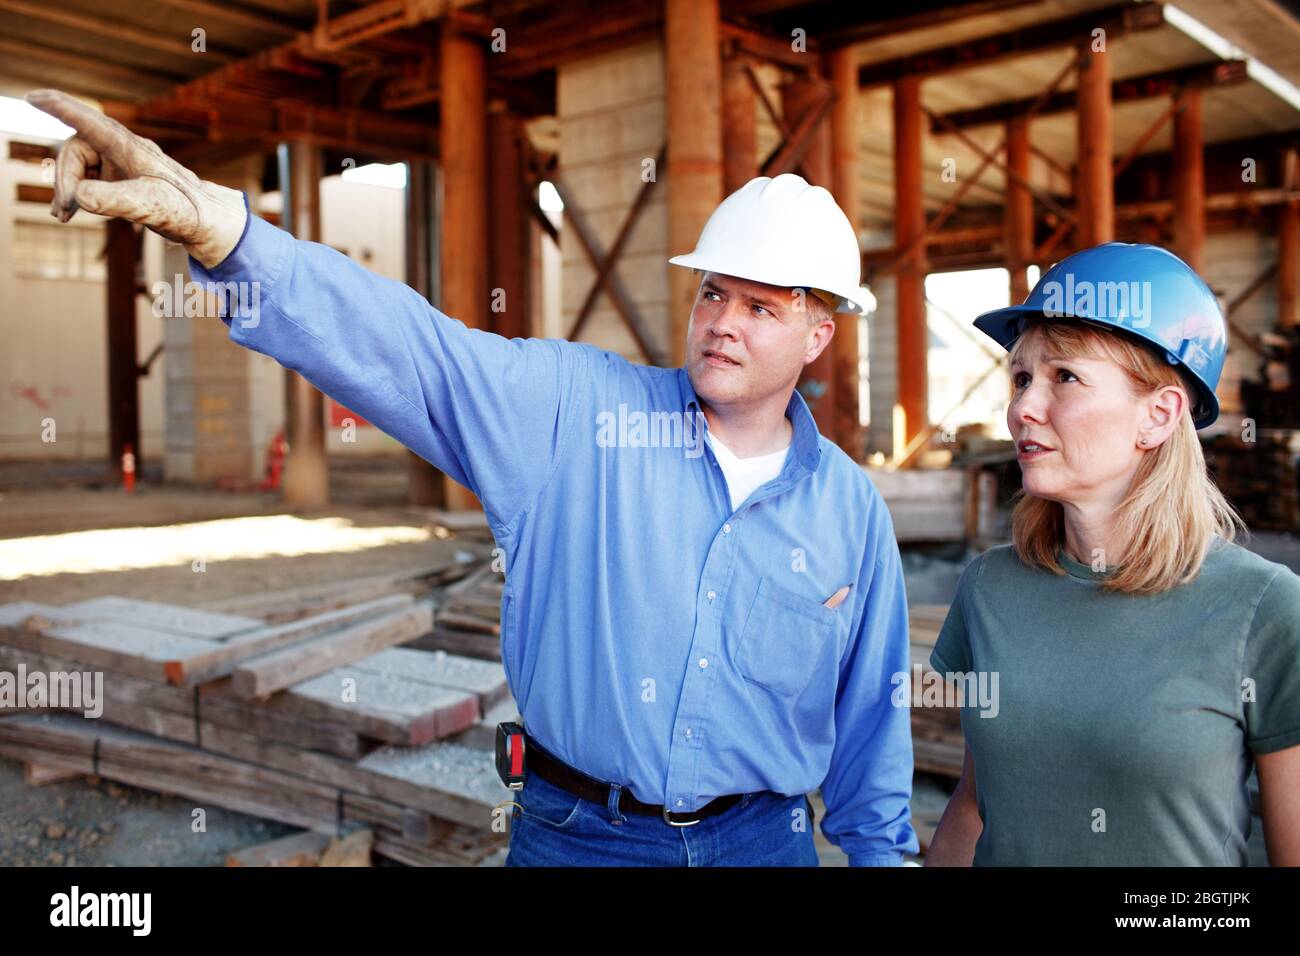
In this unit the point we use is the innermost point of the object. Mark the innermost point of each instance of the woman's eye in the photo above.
(1020, 379)
(1065, 375)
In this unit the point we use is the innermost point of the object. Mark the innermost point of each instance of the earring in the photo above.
(1142, 442)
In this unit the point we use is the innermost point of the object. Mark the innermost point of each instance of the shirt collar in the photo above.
(805, 443)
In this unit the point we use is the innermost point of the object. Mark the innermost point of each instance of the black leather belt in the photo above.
(553, 770)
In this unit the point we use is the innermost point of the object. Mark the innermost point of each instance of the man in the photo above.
(695, 636)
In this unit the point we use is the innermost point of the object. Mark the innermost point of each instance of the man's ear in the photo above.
(819, 339)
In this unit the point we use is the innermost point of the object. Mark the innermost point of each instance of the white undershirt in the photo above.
(744, 475)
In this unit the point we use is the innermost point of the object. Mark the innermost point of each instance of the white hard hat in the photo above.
(784, 232)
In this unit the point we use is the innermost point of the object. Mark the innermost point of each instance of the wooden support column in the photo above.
(846, 355)
(693, 76)
(463, 238)
(1189, 179)
(306, 471)
(1018, 213)
(800, 96)
(511, 298)
(739, 125)
(1096, 184)
(424, 483)
(122, 257)
(1288, 264)
(909, 224)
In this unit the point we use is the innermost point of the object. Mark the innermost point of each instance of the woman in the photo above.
(1144, 661)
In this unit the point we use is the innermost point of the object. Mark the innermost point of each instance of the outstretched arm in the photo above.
(491, 412)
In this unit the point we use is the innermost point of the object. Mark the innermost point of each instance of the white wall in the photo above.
(54, 332)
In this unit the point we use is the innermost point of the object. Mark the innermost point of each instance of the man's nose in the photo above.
(726, 321)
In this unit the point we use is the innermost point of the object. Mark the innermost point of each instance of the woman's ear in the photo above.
(1165, 407)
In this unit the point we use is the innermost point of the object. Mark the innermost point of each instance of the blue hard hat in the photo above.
(1138, 290)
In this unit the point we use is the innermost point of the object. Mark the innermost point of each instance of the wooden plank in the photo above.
(485, 680)
(386, 707)
(185, 621)
(222, 660)
(264, 675)
(299, 849)
(41, 774)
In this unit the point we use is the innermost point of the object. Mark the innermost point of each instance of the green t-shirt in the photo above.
(1123, 727)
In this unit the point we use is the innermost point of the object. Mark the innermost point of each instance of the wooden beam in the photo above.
(509, 233)
(464, 235)
(223, 116)
(1189, 180)
(108, 32)
(1018, 221)
(1288, 260)
(1096, 185)
(739, 125)
(130, 75)
(693, 74)
(1134, 89)
(845, 351)
(425, 487)
(909, 232)
(806, 100)
(122, 254)
(1054, 34)
(281, 25)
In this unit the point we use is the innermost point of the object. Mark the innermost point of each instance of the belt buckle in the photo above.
(674, 823)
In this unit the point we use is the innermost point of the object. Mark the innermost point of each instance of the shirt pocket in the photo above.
(785, 637)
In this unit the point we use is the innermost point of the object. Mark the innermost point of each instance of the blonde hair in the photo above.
(1167, 522)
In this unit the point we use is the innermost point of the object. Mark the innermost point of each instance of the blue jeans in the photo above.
(556, 828)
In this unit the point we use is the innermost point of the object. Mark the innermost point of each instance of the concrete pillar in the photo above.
(1189, 180)
(214, 428)
(1095, 204)
(464, 233)
(846, 355)
(306, 472)
(1018, 213)
(909, 224)
(693, 76)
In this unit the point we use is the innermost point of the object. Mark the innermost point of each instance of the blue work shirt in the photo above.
(652, 636)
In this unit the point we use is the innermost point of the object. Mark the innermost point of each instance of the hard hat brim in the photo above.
(848, 298)
(1005, 325)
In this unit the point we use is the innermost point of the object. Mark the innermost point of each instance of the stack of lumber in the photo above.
(468, 619)
(937, 741)
(1261, 478)
(321, 722)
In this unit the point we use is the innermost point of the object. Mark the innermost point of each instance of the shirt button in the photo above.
(726, 528)
(689, 732)
(680, 802)
(704, 662)
(712, 595)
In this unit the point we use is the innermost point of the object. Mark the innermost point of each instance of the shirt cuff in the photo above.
(254, 267)
(885, 858)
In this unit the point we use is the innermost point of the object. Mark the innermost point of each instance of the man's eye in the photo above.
(759, 308)
(711, 296)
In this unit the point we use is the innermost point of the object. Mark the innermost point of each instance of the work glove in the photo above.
(108, 170)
